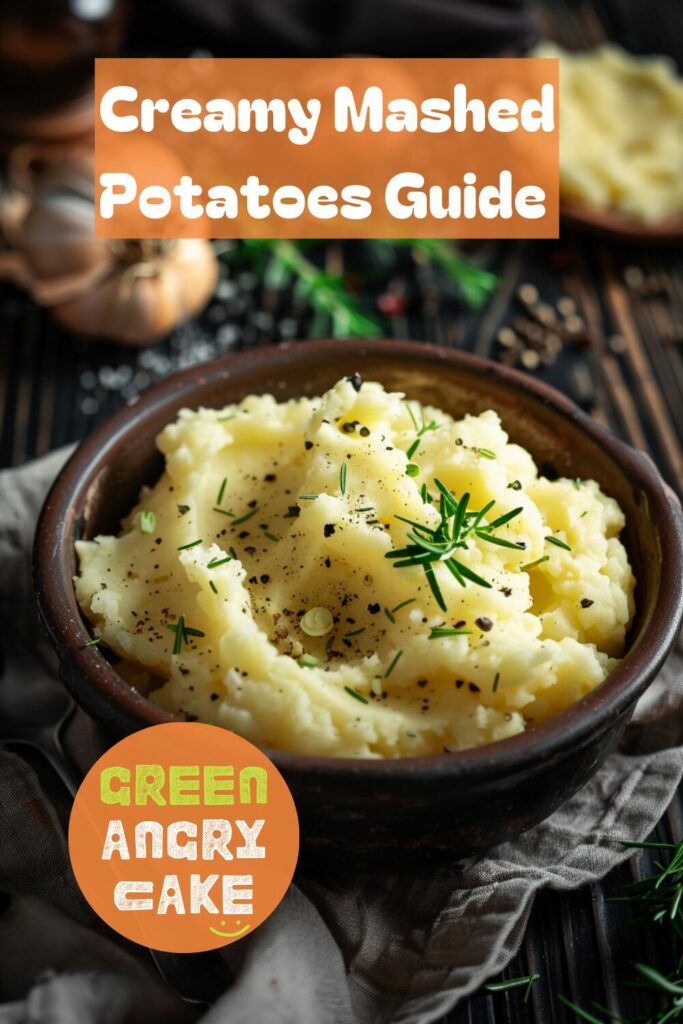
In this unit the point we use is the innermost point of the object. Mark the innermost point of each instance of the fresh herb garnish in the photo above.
(433, 425)
(182, 632)
(148, 522)
(224, 419)
(532, 565)
(390, 616)
(92, 643)
(308, 497)
(458, 526)
(394, 662)
(213, 586)
(247, 515)
(504, 986)
(221, 491)
(342, 477)
(496, 681)
(358, 696)
(192, 544)
(272, 536)
(486, 453)
(397, 608)
(224, 512)
(308, 661)
(354, 632)
(215, 562)
(368, 508)
(577, 483)
(440, 631)
(557, 543)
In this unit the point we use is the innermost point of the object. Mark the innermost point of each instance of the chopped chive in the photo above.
(358, 696)
(308, 497)
(246, 516)
(394, 663)
(215, 562)
(496, 681)
(577, 483)
(308, 661)
(412, 469)
(213, 586)
(413, 448)
(148, 522)
(532, 565)
(390, 616)
(368, 508)
(179, 631)
(403, 604)
(223, 512)
(342, 477)
(221, 491)
(557, 543)
(355, 632)
(272, 536)
(192, 544)
(486, 453)
(92, 643)
(224, 419)
(439, 631)
(187, 630)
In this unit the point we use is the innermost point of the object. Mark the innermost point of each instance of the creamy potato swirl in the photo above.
(259, 584)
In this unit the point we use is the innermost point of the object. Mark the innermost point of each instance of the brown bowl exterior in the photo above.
(364, 814)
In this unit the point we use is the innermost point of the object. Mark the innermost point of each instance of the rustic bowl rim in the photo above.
(570, 728)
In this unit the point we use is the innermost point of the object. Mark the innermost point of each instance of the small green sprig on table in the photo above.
(284, 263)
(660, 896)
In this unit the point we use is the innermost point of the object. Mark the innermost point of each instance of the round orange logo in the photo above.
(183, 837)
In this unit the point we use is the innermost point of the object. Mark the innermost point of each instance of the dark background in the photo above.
(626, 367)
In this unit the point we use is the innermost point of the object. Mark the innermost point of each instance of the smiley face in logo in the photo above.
(231, 935)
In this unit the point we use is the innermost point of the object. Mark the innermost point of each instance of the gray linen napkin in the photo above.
(394, 949)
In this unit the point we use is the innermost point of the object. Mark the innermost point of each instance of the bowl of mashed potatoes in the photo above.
(424, 583)
(621, 143)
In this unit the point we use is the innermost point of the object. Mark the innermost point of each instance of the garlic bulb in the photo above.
(150, 287)
(133, 291)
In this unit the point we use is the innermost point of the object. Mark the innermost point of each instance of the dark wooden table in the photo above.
(625, 366)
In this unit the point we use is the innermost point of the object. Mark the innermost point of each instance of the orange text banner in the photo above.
(326, 148)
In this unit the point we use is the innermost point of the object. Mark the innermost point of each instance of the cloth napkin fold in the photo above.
(389, 949)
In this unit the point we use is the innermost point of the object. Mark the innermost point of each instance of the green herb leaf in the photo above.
(192, 544)
(221, 491)
(397, 657)
(246, 517)
(148, 522)
(342, 477)
(557, 543)
(440, 631)
(358, 696)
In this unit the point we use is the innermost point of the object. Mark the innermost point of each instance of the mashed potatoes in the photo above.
(272, 581)
(621, 131)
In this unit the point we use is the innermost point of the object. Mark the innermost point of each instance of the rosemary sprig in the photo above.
(358, 696)
(661, 895)
(458, 526)
(285, 264)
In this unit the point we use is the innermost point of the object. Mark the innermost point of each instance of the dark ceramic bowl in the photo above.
(370, 813)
